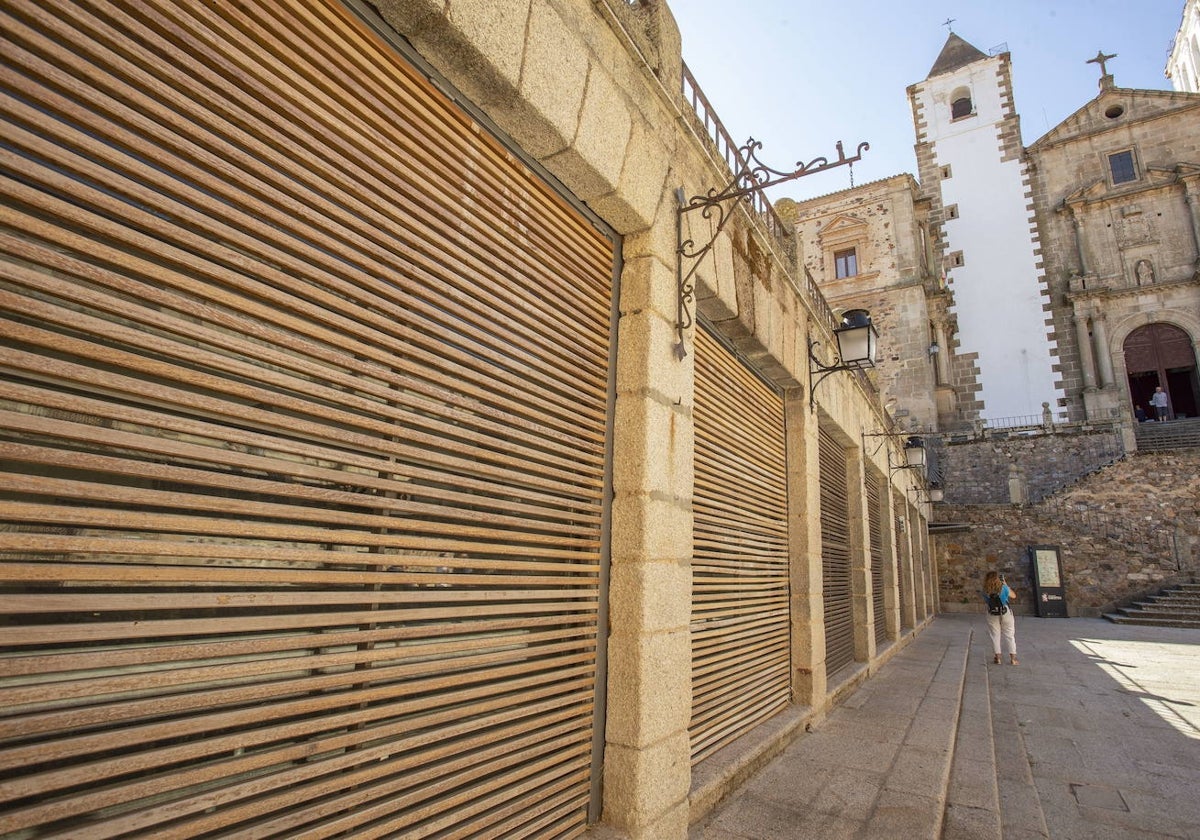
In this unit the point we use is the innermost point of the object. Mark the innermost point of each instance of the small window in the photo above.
(845, 263)
(952, 211)
(956, 259)
(947, 173)
(1121, 166)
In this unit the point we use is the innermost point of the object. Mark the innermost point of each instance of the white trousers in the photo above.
(1003, 626)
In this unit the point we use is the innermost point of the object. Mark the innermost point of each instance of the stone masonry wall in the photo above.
(1123, 532)
(977, 472)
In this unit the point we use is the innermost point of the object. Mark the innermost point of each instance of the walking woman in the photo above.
(1000, 617)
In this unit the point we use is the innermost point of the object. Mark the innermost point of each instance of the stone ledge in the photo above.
(726, 770)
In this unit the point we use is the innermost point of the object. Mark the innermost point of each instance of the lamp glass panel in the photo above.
(856, 345)
(915, 455)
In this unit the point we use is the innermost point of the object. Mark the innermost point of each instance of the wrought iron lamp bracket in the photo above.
(753, 177)
(920, 468)
(815, 365)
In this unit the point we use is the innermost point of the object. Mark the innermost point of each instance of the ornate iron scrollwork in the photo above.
(752, 178)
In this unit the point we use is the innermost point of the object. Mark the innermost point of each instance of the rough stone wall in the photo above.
(977, 471)
(1123, 532)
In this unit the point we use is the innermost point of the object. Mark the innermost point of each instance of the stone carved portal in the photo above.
(1161, 354)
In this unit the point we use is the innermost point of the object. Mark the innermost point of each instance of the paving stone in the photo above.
(1092, 737)
(963, 822)
(905, 815)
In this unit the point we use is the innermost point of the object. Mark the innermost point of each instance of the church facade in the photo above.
(1117, 196)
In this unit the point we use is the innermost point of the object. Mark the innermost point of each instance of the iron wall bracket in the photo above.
(753, 177)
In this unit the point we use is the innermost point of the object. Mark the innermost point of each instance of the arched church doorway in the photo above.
(1161, 354)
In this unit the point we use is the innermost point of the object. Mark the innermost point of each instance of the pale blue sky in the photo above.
(801, 75)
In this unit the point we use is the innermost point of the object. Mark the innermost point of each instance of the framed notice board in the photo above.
(1049, 588)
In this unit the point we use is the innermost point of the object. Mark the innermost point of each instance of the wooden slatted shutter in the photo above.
(303, 411)
(836, 554)
(901, 576)
(875, 539)
(741, 637)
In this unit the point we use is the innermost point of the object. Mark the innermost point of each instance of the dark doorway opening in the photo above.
(1161, 354)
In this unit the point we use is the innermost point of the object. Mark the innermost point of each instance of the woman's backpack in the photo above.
(995, 605)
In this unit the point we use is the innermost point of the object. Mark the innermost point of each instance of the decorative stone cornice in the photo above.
(1092, 287)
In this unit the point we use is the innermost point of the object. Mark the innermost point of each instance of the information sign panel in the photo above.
(1049, 588)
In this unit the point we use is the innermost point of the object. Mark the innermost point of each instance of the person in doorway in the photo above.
(1139, 414)
(1001, 625)
(1159, 401)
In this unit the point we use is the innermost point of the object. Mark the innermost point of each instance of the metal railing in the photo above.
(1025, 421)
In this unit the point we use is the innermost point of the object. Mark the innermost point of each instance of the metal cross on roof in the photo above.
(948, 23)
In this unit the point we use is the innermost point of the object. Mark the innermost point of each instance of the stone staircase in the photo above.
(1178, 606)
(1175, 434)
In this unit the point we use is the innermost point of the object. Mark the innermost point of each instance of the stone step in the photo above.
(1136, 612)
(1153, 622)
(1170, 603)
(972, 794)
(1174, 601)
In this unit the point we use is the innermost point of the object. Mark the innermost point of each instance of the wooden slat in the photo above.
(741, 641)
(875, 542)
(836, 554)
(902, 580)
(303, 418)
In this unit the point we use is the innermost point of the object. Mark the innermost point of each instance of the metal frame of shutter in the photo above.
(875, 539)
(304, 411)
(836, 554)
(741, 625)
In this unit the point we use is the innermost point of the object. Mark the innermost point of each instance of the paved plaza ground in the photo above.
(1095, 735)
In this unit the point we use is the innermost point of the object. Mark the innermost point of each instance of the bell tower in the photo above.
(972, 168)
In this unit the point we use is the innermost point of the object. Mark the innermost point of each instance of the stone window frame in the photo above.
(951, 211)
(961, 94)
(1133, 164)
(843, 233)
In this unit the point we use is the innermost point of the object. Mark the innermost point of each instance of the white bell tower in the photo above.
(971, 165)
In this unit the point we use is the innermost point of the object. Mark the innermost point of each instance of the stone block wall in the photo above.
(978, 471)
(1128, 530)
